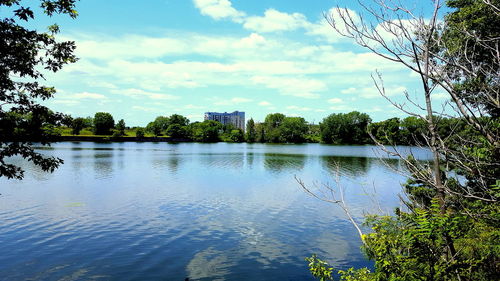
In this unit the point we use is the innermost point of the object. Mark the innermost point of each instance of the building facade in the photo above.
(236, 118)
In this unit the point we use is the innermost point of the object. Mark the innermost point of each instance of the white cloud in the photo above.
(192, 106)
(264, 103)
(65, 102)
(233, 101)
(195, 117)
(219, 9)
(299, 87)
(102, 84)
(274, 20)
(143, 108)
(298, 108)
(372, 92)
(323, 29)
(374, 109)
(335, 100)
(129, 46)
(348, 91)
(140, 94)
(343, 108)
(440, 96)
(86, 95)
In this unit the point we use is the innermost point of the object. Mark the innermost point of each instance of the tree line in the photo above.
(337, 128)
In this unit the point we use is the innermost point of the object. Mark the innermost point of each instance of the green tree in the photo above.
(176, 130)
(261, 134)
(120, 127)
(139, 132)
(471, 38)
(24, 56)
(88, 122)
(350, 128)
(450, 227)
(67, 120)
(313, 133)
(103, 123)
(237, 135)
(154, 128)
(293, 129)
(206, 131)
(272, 130)
(413, 131)
(77, 125)
(162, 122)
(387, 132)
(178, 119)
(251, 135)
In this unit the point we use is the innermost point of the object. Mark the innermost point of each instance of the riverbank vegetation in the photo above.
(337, 128)
(449, 227)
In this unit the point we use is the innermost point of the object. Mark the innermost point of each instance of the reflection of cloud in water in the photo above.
(335, 248)
(210, 263)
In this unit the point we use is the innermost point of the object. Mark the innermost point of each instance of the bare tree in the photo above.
(422, 44)
(397, 34)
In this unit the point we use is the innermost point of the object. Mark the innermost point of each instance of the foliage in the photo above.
(412, 131)
(25, 55)
(88, 122)
(415, 246)
(251, 135)
(77, 125)
(272, 128)
(120, 127)
(471, 36)
(350, 128)
(176, 130)
(139, 132)
(260, 133)
(206, 131)
(103, 123)
(277, 128)
(116, 133)
(154, 128)
(162, 124)
(67, 120)
(319, 269)
(450, 226)
(178, 119)
(237, 135)
(313, 133)
(351, 274)
(386, 132)
(294, 129)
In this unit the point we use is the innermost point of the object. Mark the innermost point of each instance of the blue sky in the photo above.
(142, 59)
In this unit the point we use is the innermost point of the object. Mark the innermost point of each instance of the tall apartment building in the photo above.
(236, 118)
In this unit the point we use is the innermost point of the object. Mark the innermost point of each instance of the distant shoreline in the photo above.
(119, 139)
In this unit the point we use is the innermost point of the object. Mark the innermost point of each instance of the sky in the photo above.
(142, 59)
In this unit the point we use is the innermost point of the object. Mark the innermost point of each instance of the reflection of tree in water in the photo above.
(103, 163)
(77, 154)
(282, 162)
(250, 156)
(351, 166)
(222, 160)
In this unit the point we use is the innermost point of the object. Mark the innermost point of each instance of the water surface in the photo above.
(158, 211)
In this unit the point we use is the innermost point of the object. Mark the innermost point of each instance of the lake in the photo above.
(158, 211)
